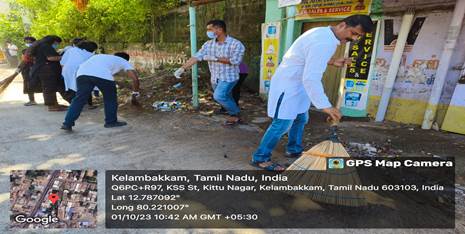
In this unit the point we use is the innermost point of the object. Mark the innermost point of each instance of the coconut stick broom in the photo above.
(311, 169)
(7, 81)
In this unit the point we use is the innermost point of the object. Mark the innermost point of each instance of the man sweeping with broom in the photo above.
(297, 83)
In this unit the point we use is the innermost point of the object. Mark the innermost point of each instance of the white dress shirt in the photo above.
(12, 49)
(70, 62)
(300, 73)
(103, 66)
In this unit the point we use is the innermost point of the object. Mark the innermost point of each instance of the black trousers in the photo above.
(72, 94)
(85, 85)
(29, 88)
(51, 84)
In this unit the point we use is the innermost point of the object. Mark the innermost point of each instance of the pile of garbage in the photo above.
(373, 150)
(166, 106)
(158, 89)
(362, 150)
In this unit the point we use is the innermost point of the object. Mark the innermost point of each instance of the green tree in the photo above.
(12, 26)
(116, 20)
(58, 18)
(103, 20)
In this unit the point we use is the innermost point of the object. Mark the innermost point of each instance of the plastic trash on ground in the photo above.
(178, 85)
(166, 106)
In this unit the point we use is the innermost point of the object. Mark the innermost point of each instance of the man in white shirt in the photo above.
(70, 62)
(297, 83)
(98, 71)
(12, 49)
(13, 53)
(74, 44)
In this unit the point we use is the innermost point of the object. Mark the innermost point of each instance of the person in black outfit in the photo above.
(47, 69)
(25, 67)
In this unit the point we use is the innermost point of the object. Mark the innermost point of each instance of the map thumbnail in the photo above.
(53, 198)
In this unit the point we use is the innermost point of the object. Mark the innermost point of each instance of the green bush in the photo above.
(103, 21)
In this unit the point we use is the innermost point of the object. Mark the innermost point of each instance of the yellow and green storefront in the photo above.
(357, 89)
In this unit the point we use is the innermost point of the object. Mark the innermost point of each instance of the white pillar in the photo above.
(407, 20)
(444, 63)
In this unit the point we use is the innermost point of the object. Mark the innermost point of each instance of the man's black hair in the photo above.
(50, 39)
(87, 45)
(217, 23)
(56, 38)
(76, 40)
(363, 20)
(30, 39)
(122, 55)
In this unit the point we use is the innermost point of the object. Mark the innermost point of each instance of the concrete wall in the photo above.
(417, 71)
(168, 44)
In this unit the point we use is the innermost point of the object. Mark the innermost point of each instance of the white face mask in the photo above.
(28, 44)
(211, 35)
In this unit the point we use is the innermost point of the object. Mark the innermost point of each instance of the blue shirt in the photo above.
(232, 49)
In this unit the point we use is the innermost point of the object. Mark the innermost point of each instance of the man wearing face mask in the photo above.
(223, 54)
(47, 70)
(28, 41)
(297, 83)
